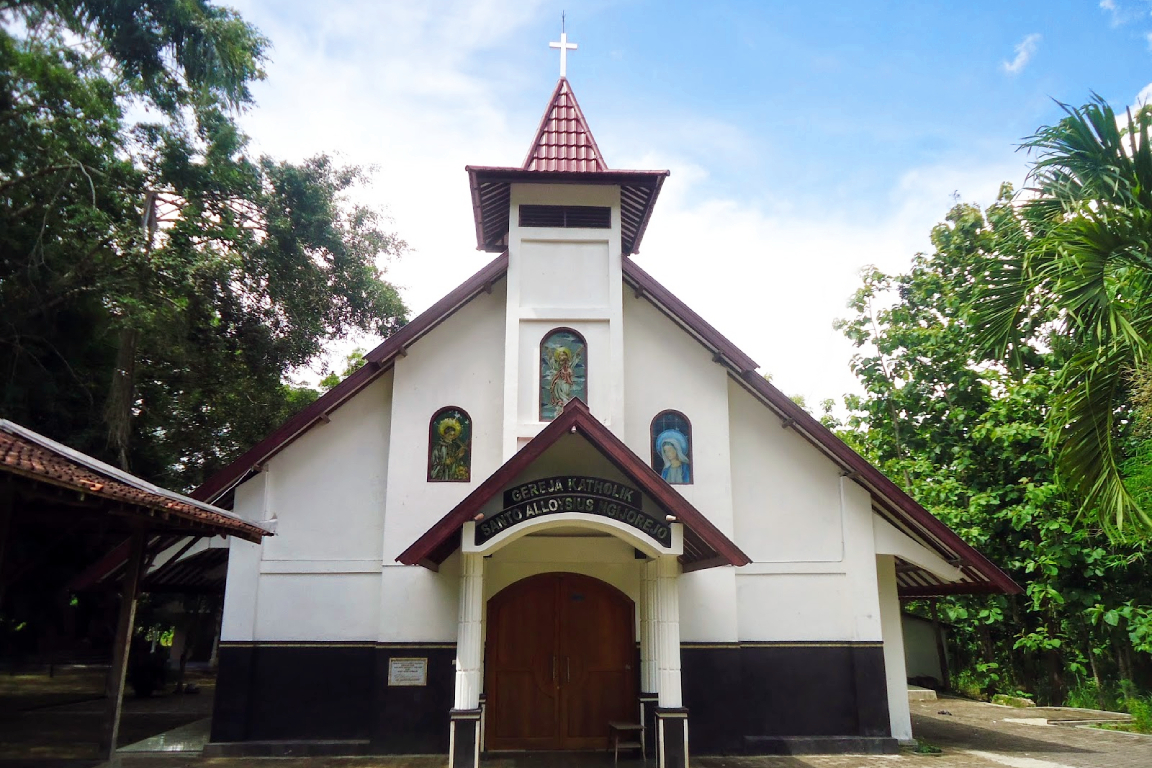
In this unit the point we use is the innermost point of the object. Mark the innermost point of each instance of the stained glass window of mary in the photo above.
(672, 447)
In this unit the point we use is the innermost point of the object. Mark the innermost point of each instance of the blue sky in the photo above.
(805, 140)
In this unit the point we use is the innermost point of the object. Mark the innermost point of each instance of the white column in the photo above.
(668, 631)
(468, 645)
(649, 676)
(892, 632)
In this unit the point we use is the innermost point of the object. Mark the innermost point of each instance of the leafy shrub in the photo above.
(1140, 707)
(1086, 694)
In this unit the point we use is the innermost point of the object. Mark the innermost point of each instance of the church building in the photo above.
(557, 500)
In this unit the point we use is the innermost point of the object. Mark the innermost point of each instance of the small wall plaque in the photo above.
(408, 672)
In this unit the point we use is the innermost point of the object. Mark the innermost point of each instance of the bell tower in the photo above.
(566, 221)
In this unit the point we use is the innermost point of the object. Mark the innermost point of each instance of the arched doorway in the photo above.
(559, 663)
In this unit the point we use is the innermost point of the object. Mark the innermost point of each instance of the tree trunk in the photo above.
(1054, 661)
(121, 397)
(986, 643)
(1122, 659)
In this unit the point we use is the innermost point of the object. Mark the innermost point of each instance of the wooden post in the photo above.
(119, 669)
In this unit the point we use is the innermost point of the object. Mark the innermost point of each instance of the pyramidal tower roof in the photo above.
(563, 152)
(563, 141)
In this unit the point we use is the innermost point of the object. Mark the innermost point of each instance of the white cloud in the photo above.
(773, 279)
(1145, 96)
(1120, 15)
(1025, 50)
(398, 87)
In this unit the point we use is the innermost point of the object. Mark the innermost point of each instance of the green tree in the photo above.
(353, 362)
(1083, 267)
(158, 282)
(968, 439)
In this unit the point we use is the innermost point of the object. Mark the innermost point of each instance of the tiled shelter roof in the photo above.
(30, 455)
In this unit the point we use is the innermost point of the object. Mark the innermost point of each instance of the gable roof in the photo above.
(889, 501)
(564, 141)
(979, 573)
(376, 362)
(705, 545)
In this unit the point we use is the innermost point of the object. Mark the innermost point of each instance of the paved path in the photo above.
(976, 735)
(972, 735)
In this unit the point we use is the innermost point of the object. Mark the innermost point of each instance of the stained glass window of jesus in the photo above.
(563, 371)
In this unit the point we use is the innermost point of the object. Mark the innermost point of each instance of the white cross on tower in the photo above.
(564, 47)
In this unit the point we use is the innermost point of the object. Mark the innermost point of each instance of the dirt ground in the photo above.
(45, 719)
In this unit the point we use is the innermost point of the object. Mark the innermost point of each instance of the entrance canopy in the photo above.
(651, 509)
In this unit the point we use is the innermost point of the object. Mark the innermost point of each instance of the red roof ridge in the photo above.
(443, 537)
(563, 141)
(376, 363)
(809, 427)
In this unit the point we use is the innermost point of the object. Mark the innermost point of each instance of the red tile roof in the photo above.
(31, 455)
(705, 546)
(376, 363)
(563, 152)
(492, 200)
(563, 141)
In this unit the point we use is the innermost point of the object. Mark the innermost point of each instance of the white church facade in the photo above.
(559, 499)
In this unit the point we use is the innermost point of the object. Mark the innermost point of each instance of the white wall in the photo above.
(325, 490)
(786, 494)
(458, 363)
(808, 531)
(562, 277)
(329, 572)
(318, 577)
(667, 369)
(238, 623)
(921, 657)
(894, 674)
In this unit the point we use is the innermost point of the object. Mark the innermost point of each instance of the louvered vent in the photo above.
(566, 216)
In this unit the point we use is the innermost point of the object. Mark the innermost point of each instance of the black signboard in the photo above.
(586, 495)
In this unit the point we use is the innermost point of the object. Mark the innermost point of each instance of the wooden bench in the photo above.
(617, 730)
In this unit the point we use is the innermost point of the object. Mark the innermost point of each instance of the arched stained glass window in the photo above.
(672, 447)
(563, 371)
(450, 446)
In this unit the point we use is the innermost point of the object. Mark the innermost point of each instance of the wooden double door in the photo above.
(559, 663)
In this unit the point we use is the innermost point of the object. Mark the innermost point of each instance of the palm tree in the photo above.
(1080, 283)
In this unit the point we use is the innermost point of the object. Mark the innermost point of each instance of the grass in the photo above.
(924, 748)
(1087, 695)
